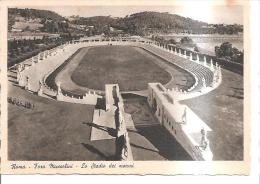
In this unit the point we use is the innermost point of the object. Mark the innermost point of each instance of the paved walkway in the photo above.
(103, 126)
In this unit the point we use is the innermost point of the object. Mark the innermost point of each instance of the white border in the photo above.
(252, 178)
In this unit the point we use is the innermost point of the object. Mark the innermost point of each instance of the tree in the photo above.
(186, 40)
(231, 53)
(196, 49)
(172, 41)
(226, 48)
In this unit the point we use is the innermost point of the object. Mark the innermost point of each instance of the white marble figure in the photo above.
(205, 61)
(203, 141)
(191, 56)
(59, 93)
(204, 83)
(19, 68)
(198, 59)
(211, 64)
(40, 91)
(27, 85)
(185, 54)
(18, 77)
(175, 51)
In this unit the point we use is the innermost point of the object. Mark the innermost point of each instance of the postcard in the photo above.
(125, 87)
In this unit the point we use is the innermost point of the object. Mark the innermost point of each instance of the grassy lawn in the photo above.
(124, 65)
(222, 110)
(52, 131)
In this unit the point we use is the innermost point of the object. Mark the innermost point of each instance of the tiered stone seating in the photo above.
(196, 69)
(43, 68)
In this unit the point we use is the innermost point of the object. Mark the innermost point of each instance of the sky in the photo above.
(201, 12)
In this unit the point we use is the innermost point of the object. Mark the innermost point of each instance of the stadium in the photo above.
(124, 98)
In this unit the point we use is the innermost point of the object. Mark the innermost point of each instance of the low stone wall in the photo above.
(88, 98)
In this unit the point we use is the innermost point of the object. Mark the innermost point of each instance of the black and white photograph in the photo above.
(125, 83)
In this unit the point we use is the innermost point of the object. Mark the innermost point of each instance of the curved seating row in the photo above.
(196, 69)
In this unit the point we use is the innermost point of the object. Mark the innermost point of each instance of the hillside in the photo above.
(96, 24)
(35, 20)
(155, 21)
(143, 23)
(35, 13)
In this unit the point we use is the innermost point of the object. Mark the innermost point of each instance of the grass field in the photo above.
(222, 110)
(124, 65)
(40, 134)
(53, 131)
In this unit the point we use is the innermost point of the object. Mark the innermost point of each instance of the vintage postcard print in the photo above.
(126, 87)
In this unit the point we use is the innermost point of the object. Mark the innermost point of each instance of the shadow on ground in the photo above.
(149, 140)
(163, 142)
(110, 131)
(98, 152)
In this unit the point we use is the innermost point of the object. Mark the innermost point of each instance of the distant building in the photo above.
(114, 30)
(30, 35)
(73, 17)
(208, 26)
(16, 30)
(19, 18)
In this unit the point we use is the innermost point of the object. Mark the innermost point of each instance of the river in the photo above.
(208, 42)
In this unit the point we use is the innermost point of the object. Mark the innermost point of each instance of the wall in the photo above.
(170, 117)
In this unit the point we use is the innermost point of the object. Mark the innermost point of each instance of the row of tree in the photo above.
(19, 50)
